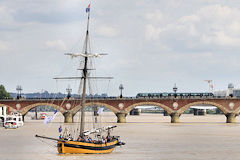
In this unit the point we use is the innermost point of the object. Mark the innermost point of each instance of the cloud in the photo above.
(6, 18)
(107, 31)
(189, 19)
(154, 16)
(44, 11)
(4, 46)
(56, 44)
(217, 12)
(213, 25)
(152, 33)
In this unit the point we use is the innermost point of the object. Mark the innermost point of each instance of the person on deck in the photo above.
(103, 139)
(90, 139)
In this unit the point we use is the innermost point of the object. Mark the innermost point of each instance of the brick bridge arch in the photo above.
(26, 109)
(166, 108)
(219, 106)
(237, 111)
(77, 108)
(121, 106)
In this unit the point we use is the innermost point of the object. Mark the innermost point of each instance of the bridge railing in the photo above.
(126, 98)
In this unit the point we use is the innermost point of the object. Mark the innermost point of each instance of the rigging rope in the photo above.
(46, 142)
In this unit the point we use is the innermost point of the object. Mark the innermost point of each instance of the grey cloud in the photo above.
(57, 17)
(205, 30)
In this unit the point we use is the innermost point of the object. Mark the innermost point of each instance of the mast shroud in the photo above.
(85, 74)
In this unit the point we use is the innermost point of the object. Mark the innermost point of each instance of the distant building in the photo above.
(220, 93)
(236, 92)
(229, 92)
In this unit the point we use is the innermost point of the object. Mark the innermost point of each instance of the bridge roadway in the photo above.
(122, 106)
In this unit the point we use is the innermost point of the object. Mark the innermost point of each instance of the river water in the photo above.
(148, 136)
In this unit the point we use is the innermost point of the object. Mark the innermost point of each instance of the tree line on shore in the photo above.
(3, 93)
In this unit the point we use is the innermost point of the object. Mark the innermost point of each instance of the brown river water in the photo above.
(148, 136)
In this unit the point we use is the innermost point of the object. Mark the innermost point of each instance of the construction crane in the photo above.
(210, 85)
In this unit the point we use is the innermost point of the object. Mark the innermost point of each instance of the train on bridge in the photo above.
(139, 95)
(164, 94)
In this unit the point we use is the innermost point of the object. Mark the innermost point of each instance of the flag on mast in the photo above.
(88, 9)
(48, 119)
(100, 110)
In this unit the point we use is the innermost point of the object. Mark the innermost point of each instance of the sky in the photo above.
(151, 44)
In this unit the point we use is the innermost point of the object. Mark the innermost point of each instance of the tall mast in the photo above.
(85, 74)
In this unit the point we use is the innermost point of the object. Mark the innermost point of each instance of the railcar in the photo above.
(165, 94)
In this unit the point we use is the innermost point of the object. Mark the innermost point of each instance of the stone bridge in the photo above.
(122, 106)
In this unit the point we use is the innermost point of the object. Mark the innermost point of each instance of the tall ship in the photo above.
(95, 140)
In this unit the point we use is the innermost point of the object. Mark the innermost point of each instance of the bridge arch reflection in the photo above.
(26, 109)
(91, 104)
(166, 108)
(219, 106)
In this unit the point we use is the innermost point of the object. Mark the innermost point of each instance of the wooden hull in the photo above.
(84, 147)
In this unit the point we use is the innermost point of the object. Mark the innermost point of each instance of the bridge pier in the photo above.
(231, 118)
(199, 112)
(165, 113)
(175, 117)
(135, 111)
(23, 117)
(68, 117)
(121, 117)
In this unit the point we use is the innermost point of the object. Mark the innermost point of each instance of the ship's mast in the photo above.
(84, 76)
